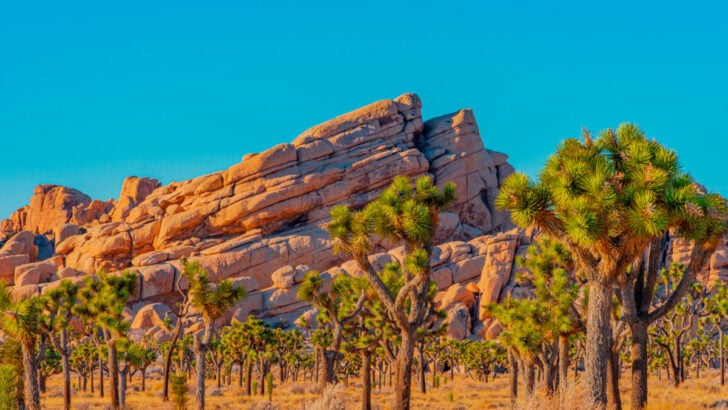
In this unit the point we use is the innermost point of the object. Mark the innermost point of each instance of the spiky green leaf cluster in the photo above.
(103, 298)
(402, 212)
(609, 196)
(211, 299)
(530, 323)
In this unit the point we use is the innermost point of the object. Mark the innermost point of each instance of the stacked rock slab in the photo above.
(267, 212)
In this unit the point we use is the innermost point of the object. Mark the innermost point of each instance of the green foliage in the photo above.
(179, 390)
(717, 304)
(611, 196)
(400, 213)
(51, 362)
(269, 385)
(529, 324)
(11, 360)
(209, 299)
(102, 300)
(9, 391)
(479, 357)
(20, 319)
(84, 356)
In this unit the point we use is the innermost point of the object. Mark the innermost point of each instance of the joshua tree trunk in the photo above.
(113, 374)
(366, 360)
(144, 379)
(65, 367)
(41, 381)
(676, 363)
(403, 384)
(240, 375)
(32, 393)
(434, 370)
(248, 377)
(722, 357)
(598, 340)
(530, 370)
(423, 366)
(639, 364)
(101, 376)
(513, 377)
(326, 375)
(563, 366)
(316, 366)
(614, 401)
(549, 371)
(168, 359)
(122, 388)
(200, 353)
(263, 373)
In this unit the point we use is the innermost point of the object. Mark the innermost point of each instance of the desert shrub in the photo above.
(179, 390)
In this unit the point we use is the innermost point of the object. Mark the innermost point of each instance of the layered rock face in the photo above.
(260, 221)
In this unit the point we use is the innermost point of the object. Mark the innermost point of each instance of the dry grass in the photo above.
(463, 394)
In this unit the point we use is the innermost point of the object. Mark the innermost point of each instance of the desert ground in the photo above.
(463, 393)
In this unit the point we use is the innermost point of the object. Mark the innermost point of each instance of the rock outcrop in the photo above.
(259, 222)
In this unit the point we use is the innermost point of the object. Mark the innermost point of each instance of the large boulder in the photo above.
(18, 244)
(152, 315)
(38, 272)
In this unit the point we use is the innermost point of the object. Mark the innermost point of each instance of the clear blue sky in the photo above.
(93, 91)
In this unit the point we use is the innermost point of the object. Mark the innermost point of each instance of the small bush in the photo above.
(179, 390)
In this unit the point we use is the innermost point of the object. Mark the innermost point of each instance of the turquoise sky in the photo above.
(93, 91)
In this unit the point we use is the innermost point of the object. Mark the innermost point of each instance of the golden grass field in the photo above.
(464, 393)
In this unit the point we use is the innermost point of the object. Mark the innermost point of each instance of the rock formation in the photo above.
(260, 222)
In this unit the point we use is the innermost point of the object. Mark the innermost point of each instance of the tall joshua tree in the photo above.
(59, 303)
(402, 214)
(607, 199)
(20, 320)
(212, 301)
(103, 298)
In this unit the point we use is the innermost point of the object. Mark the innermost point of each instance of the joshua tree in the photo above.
(21, 321)
(234, 339)
(59, 303)
(607, 199)
(672, 329)
(212, 302)
(717, 306)
(181, 310)
(143, 358)
(337, 307)
(548, 267)
(402, 214)
(83, 360)
(103, 298)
